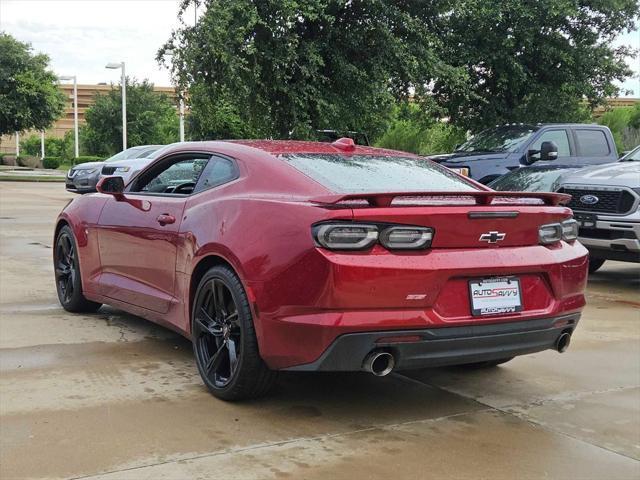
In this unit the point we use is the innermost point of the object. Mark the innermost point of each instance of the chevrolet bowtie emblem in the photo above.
(492, 237)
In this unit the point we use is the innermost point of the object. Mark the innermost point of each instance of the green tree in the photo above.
(29, 96)
(151, 119)
(532, 61)
(284, 68)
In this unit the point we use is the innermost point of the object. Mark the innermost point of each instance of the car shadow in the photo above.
(358, 398)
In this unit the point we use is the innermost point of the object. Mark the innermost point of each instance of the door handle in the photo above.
(166, 219)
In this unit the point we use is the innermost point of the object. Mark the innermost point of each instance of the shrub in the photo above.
(442, 138)
(624, 123)
(410, 136)
(53, 146)
(51, 162)
(402, 135)
(21, 161)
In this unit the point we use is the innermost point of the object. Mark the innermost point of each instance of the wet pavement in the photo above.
(112, 396)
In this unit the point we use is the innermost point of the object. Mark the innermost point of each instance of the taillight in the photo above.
(357, 236)
(569, 230)
(406, 238)
(346, 237)
(554, 232)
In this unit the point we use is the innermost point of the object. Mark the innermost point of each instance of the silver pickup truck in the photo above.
(605, 202)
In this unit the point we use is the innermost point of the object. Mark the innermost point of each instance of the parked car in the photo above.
(499, 150)
(536, 178)
(129, 167)
(84, 177)
(605, 202)
(306, 256)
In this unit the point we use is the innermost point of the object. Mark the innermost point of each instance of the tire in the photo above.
(487, 364)
(67, 274)
(595, 264)
(224, 339)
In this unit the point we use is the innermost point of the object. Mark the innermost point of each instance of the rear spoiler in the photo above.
(386, 199)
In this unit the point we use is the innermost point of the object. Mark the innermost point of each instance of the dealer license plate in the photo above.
(494, 296)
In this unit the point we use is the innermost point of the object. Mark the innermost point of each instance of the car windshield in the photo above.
(377, 173)
(499, 139)
(530, 180)
(632, 156)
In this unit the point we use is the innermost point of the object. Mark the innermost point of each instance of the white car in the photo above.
(83, 177)
(127, 168)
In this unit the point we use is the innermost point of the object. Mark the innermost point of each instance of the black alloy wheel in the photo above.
(65, 267)
(218, 333)
(224, 340)
(67, 274)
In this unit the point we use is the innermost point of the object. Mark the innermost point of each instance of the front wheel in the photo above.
(224, 339)
(67, 272)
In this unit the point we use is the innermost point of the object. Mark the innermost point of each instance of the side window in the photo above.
(217, 172)
(560, 138)
(592, 143)
(179, 176)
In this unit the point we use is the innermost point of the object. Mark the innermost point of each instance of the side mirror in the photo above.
(548, 151)
(111, 186)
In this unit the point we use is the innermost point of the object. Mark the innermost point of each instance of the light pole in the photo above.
(17, 145)
(169, 53)
(42, 144)
(181, 110)
(120, 65)
(75, 111)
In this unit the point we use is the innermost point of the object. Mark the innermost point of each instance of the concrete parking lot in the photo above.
(112, 396)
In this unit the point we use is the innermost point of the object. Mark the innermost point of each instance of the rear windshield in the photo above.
(372, 173)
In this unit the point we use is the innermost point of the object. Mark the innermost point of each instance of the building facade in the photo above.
(86, 98)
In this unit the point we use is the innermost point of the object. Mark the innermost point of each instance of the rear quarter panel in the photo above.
(82, 214)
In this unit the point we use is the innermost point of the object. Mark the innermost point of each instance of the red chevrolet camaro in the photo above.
(283, 255)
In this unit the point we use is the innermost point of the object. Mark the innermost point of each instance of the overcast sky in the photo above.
(81, 36)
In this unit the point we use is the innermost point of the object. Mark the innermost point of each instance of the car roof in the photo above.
(283, 147)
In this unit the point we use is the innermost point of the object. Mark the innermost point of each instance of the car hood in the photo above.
(87, 166)
(626, 174)
(466, 157)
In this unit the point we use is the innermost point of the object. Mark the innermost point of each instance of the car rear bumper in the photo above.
(360, 294)
(437, 347)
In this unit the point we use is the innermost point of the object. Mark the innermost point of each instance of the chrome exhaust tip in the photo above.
(562, 344)
(379, 363)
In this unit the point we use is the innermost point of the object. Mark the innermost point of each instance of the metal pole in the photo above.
(75, 115)
(124, 109)
(17, 144)
(181, 109)
(42, 144)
